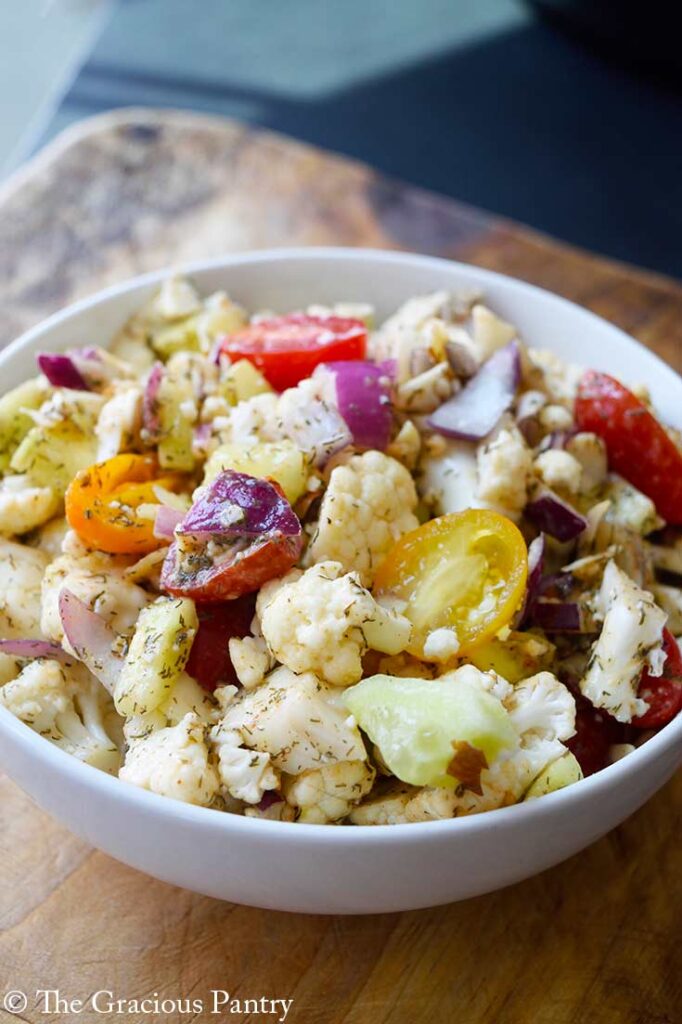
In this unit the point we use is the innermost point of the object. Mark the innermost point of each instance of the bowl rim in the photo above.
(110, 787)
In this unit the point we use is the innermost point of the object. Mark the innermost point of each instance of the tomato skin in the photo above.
(286, 349)
(91, 509)
(595, 732)
(662, 693)
(638, 447)
(267, 560)
(209, 661)
(466, 570)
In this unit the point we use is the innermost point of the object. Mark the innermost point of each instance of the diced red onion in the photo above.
(95, 366)
(361, 392)
(91, 638)
(34, 649)
(556, 517)
(269, 799)
(61, 371)
(236, 505)
(557, 616)
(536, 559)
(473, 412)
(151, 420)
(166, 520)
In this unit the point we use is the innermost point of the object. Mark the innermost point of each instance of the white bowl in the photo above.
(317, 868)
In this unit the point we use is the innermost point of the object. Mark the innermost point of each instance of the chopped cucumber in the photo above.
(283, 462)
(417, 724)
(560, 773)
(157, 655)
(242, 381)
(177, 414)
(51, 456)
(181, 336)
(15, 422)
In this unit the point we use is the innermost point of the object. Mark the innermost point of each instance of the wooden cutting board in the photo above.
(594, 941)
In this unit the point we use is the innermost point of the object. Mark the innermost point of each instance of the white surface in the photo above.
(318, 868)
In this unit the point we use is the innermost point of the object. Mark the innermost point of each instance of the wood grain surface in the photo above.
(594, 941)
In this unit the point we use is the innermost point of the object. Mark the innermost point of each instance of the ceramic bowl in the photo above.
(318, 868)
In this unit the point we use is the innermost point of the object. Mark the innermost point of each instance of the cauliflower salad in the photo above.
(309, 568)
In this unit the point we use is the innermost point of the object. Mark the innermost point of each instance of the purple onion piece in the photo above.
(95, 367)
(536, 560)
(314, 425)
(557, 616)
(61, 371)
(269, 799)
(236, 505)
(166, 520)
(361, 392)
(473, 412)
(562, 582)
(552, 515)
(91, 638)
(34, 649)
(151, 420)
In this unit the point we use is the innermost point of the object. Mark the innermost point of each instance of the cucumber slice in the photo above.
(418, 725)
(283, 462)
(560, 773)
(15, 422)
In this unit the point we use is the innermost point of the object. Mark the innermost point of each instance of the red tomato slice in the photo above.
(638, 446)
(286, 349)
(264, 560)
(209, 661)
(595, 731)
(662, 693)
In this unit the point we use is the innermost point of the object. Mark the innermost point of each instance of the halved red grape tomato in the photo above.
(662, 693)
(286, 349)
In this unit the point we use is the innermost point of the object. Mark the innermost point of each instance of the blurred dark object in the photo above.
(641, 34)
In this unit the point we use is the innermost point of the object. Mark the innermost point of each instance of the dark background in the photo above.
(478, 99)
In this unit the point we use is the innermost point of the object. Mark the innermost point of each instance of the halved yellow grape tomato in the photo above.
(466, 571)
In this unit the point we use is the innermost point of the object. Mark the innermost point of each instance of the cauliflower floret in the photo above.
(64, 703)
(173, 761)
(448, 479)
(559, 470)
(323, 621)
(385, 808)
(51, 536)
(369, 504)
(328, 794)
(98, 580)
(21, 572)
(670, 600)
(244, 774)
(441, 644)
(406, 445)
(251, 660)
(291, 718)
(24, 507)
(557, 378)
(590, 451)
(542, 706)
(630, 636)
(424, 392)
(553, 418)
(505, 463)
(119, 423)
(630, 508)
(176, 298)
(249, 421)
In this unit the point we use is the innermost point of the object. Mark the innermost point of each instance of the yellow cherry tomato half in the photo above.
(466, 571)
(102, 503)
